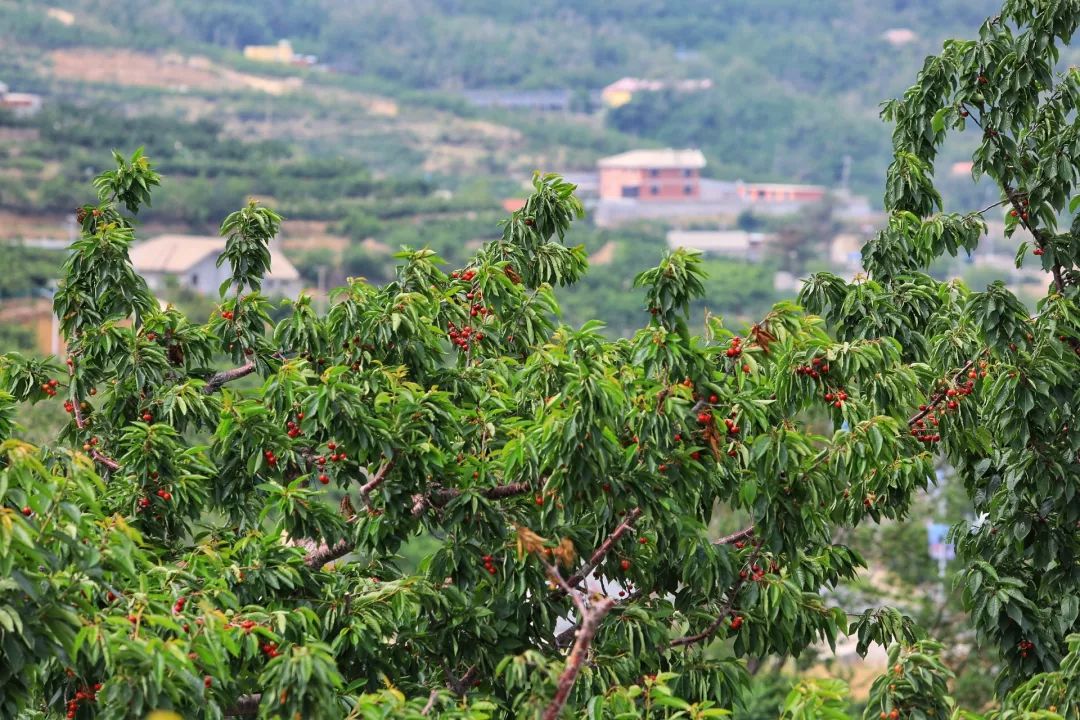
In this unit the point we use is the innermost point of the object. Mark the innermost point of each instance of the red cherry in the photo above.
(147, 417)
(324, 479)
(331, 445)
(1038, 251)
(166, 496)
(713, 399)
(27, 511)
(208, 681)
(539, 499)
(643, 540)
(624, 564)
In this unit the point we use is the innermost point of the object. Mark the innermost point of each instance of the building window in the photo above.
(654, 190)
(195, 280)
(687, 173)
(654, 173)
(631, 191)
(688, 189)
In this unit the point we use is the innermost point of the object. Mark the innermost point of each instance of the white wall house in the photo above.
(192, 260)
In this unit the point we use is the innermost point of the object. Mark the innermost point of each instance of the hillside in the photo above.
(796, 85)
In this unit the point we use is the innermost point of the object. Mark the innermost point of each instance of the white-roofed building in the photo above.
(729, 243)
(192, 260)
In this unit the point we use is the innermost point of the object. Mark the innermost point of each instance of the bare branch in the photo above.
(735, 537)
(327, 553)
(590, 622)
(245, 705)
(624, 527)
(442, 496)
(217, 380)
(377, 479)
(430, 702)
(105, 460)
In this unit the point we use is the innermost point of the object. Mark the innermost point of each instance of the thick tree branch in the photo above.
(324, 553)
(735, 536)
(377, 479)
(430, 702)
(442, 496)
(583, 572)
(245, 705)
(590, 622)
(217, 380)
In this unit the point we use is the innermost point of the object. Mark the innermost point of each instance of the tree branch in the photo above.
(732, 594)
(324, 553)
(430, 702)
(583, 572)
(936, 399)
(442, 496)
(245, 705)
(217, 380)
(735, 536)
(378, 478)
(590, 622)
(81, 424)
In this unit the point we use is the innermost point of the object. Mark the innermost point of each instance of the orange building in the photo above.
(779, 193)
(652, 175)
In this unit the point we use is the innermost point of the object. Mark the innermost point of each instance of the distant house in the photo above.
(729, 243)
(19, 104)
(779, 193)
(192, 261)
(280, 53)
(623, 90)
(652, 175)
(554, 100)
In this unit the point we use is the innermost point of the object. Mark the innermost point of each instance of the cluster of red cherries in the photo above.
(755, 574)
(1025, 646)
(923, 429)
(467, 275)
(464, 337)
(837, 397)
(334, 457)
(815, 369)
(86, 694)
(49, 388)
(271, 458)
(165, 495)
(489, 564)
(294, 428)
